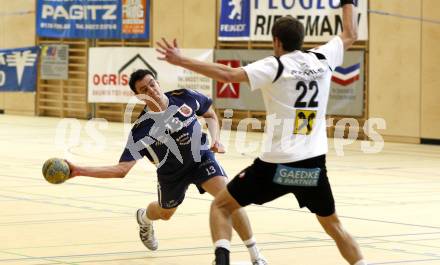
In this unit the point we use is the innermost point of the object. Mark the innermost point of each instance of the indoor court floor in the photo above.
(390, 201)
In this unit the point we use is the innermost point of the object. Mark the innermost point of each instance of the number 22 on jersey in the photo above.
(304, 119)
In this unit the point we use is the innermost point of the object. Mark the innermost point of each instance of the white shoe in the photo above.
(146, 232)
(260, 261)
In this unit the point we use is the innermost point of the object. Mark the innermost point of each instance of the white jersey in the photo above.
(295, 91)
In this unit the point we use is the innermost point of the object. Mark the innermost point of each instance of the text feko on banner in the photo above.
(93, 19)
(18, 69)
(234, 20)
(322, 19)
(110, 70)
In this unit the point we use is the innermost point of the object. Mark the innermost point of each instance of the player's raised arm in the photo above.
(349, 22)
(219, 72)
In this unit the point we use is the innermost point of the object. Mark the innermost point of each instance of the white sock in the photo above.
(251, 245)
(361, 262)
(145, 219)
(223, 243)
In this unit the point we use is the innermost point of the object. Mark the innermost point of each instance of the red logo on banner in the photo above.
(228, 90)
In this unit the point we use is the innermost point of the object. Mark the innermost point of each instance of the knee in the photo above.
(224, 207)
(216, 205)
(166, 214)
(220, 206)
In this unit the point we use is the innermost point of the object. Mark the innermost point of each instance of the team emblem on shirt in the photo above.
(185, 110)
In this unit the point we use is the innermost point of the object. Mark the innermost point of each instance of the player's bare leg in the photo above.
(238, 219)
(155, 212)
(222, 209)
(347, 245)
(145, 220)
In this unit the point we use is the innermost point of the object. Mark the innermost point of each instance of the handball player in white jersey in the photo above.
(295, 87)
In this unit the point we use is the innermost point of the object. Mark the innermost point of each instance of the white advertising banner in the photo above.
(110, 69)
(253, 19)
(322, 19)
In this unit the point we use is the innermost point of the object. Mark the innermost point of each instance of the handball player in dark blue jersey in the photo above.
(168, 134)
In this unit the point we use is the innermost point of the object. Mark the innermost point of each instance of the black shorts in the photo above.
(307, 180)
(172, 193)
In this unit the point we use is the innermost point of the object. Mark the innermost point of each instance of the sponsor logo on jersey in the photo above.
(185, 110)
(183, 139)
(304, 121)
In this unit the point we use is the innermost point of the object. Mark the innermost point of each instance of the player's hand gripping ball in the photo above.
(56, 170)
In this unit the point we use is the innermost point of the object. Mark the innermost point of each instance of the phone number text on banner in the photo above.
(93, 19)
(253, 19)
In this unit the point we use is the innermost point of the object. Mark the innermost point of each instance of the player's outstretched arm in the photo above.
(116, 171)
(171, 54)
(350, 30)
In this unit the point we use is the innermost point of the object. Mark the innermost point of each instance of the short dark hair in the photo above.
(290, 32)
(138, 75)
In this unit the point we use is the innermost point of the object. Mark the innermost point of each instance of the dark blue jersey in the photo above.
(172, 139)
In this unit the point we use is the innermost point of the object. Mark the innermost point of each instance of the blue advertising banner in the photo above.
(18, 69)
(234, 20)
(104, 19)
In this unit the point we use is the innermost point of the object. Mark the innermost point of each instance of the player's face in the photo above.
(148, 86)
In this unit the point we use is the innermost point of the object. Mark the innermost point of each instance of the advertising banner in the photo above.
(93, 19)
(18, 69)
(322, 19)
(110, 70)
(347, 87)
(54, 62)
(234, 20)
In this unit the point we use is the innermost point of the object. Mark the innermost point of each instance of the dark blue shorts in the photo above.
(172, 193)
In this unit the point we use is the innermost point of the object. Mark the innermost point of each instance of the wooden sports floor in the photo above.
(390, 201)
